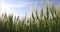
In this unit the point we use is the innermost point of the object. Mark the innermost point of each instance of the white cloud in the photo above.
(6, 8)
(14, 5)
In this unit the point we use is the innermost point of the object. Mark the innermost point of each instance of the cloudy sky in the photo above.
(20, 7)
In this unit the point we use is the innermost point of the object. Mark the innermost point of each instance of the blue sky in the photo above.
(20, 7)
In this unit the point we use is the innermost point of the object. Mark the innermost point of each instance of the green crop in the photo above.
(43, 22)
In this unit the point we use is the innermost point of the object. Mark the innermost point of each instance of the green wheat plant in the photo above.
(36, 23)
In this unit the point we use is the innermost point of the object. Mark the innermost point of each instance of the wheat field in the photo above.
(45, 22)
